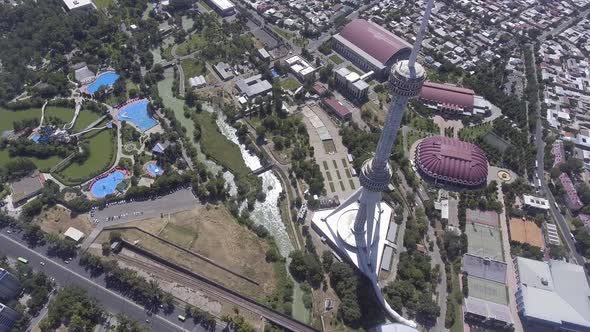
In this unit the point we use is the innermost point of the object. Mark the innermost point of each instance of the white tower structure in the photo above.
(361, 239)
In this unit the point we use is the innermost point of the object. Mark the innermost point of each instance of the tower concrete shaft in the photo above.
(405, 80)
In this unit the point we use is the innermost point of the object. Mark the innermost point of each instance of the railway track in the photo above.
(220, 293)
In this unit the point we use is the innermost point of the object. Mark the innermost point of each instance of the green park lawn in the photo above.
(42, 164)
(336, 59)
(285, 34)
(103, 151)
(85, 118)
(9, 117)
(64, 114)
(218, 147)
(290, 84)
(195, 43)
(354, 69)
(192, 68)
(103, 3)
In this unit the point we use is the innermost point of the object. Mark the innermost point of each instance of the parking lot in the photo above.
(120, 212)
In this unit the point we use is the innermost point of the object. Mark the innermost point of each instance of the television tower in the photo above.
(405, 82)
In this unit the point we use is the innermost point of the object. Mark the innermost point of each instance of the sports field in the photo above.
(102, 147)
(487, 290)
(484, 241)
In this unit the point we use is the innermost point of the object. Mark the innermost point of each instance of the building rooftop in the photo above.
(571, 193)
(488, 309)
(253, 86)
(536, 202)
(337, 107)
(553, 291)
(452, 160)
(373, 40)
(450, 96)
(73, 4)
(223, 4)
(74, 234)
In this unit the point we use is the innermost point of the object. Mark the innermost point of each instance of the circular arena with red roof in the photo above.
(450, 161)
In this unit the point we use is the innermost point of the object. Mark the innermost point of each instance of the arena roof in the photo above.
(451, 160)
(373, 39)
(449, 95)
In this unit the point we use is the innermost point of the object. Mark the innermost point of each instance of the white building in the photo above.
(535, 202)
(197, 81)
(79, 4)
(301, 68)
(352, 83)
(552, 295)
(223, 7)
(74, 234)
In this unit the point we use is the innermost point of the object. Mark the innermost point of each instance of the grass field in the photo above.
(192, 68)
(353, 69)
(103, 3)
(471, 134)
(212, 232)
(218, 147)
(290, 84)
(457, 294)
(85, 118)
(9, 117)
(42, 164)
(195, 43)
(285, 34)
(336, 59)
(64, 114)
(102, 152)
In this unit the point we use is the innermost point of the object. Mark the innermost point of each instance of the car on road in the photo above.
(42, 263)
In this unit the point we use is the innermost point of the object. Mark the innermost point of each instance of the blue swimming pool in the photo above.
(274, 73)
(154, 169)
(107, 185)
(137, 113)
(108, 79)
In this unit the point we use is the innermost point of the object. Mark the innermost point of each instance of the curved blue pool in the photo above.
(154, 169)
(107, 185)
(109, 78)
(137, 113)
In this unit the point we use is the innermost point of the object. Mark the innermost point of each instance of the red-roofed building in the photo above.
(558, 153)
(571, 194)
(448, 98)
(336, 107)
(371, 47)
(450, 161)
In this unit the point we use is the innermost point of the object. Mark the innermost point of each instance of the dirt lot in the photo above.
(57, 220)
(213, 233)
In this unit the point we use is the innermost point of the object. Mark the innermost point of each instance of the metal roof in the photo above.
(374, 40)
(484, 268)
(447, 94)
(452, 160)
(553, 291)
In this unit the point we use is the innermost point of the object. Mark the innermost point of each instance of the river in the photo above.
(265, 213)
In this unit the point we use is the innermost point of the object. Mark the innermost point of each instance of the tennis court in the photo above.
(487, 290)
(484, 241)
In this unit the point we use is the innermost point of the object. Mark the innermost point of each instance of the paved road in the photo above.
(180, 200)
(74, 275)
(557, 216)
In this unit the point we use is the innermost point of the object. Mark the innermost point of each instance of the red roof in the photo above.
(374, 40)
(341, 110)
(452, 160)
(449, 95)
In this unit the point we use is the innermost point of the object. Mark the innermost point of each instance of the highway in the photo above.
(74, 275)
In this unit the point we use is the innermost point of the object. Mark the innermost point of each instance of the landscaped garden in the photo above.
(101, 156)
